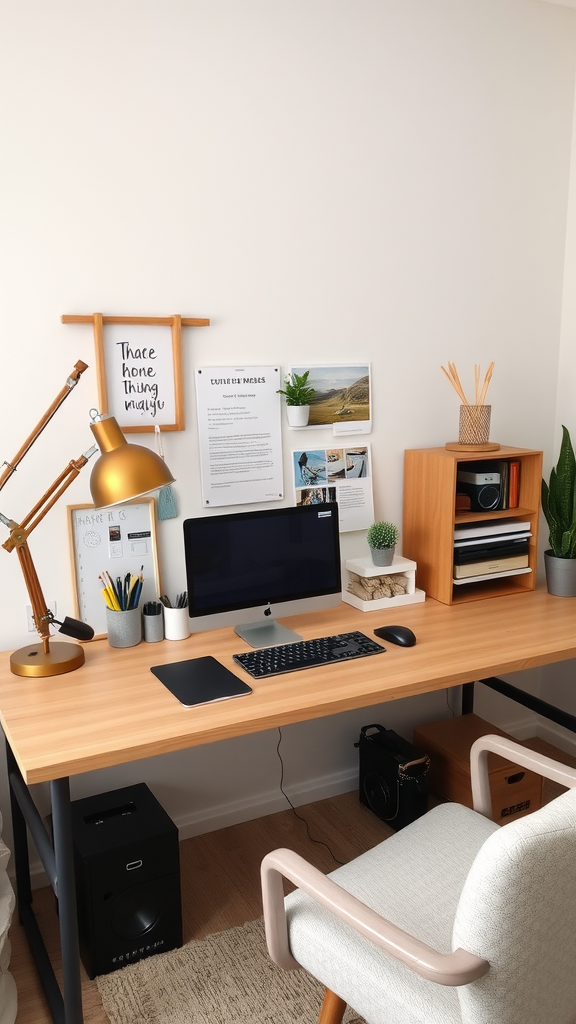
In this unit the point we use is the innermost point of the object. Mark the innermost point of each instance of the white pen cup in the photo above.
(176, 623)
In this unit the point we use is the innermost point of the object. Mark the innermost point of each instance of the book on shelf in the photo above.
(490, 527)
(493, 540)
(509, 470)
(490, 550)
(514, 483)
(488, 567)
(490, 576)
(503, 468)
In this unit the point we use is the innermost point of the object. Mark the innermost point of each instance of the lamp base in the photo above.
(32, 660)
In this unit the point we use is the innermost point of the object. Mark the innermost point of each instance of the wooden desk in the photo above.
(113, 710)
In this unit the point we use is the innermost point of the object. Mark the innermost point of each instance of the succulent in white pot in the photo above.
(382, 538)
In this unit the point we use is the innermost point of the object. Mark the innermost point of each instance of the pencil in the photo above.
(111, 593)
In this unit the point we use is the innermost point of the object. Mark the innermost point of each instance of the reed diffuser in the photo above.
(474, 427)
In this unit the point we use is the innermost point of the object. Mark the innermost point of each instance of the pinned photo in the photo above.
(342, 398)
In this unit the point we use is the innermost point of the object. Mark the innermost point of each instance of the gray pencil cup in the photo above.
(153, 622)
(124, 628)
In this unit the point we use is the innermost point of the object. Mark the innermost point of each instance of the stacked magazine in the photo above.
(490, 549)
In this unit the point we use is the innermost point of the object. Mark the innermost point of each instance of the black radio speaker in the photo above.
(482, 487)
(127, 878)
(393, 776)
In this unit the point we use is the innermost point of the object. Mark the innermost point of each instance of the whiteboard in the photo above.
(117, 540)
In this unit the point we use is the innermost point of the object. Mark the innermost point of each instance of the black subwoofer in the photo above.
(127, 878)
(392, 776)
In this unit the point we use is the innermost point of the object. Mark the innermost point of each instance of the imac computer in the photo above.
(246, 568)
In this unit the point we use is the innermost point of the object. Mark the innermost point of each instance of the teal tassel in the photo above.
(166, 502)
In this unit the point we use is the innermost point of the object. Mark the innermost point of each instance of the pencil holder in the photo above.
(124, 628)
(153, 626)
(176, 623)
(474, 424)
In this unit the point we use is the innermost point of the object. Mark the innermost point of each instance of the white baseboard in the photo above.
(556, 735)
(255, 805)
(268, 802)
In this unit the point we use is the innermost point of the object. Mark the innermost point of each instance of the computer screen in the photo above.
(245, 568)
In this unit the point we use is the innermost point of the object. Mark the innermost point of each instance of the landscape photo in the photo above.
(342, 393)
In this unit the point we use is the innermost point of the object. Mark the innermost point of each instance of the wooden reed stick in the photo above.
(455, 382)
(479, 396)
(457, 379)
(487, 380)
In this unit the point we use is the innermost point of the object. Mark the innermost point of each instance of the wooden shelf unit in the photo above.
(430, 517)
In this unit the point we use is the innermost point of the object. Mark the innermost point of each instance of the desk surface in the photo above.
(114, 710)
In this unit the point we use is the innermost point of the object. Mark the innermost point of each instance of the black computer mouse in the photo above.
(400, 635)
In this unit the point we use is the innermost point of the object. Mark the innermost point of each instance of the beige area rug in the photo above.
(226, 978)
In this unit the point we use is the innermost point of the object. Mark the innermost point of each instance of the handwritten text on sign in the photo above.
(140, 374)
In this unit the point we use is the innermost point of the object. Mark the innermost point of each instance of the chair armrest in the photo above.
(457, 968)
(520, 755)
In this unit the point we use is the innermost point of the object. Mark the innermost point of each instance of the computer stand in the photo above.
(266, 634)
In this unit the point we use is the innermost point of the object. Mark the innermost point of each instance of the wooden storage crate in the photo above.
(514, 790)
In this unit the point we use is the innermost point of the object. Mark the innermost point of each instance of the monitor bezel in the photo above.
(292, 596)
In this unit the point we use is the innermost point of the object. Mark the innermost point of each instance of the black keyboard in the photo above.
(272, 661)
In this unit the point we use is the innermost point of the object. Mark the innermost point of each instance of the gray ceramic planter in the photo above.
(560, 575)
(382, 556)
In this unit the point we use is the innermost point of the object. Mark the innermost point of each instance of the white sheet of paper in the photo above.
(336, 474)
(239, 434)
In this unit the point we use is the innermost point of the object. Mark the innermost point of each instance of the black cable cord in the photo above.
(285, 795)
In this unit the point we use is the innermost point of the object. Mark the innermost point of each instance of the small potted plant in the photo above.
(298, 394)
(559, 507)
(382, 539)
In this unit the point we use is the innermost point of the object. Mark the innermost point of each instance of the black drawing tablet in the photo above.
(200, 681)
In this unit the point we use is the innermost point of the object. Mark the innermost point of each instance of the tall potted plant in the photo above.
(298, 394)
(559, 507)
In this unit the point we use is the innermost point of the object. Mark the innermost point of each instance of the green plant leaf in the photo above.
(558, 501)
(296, 389)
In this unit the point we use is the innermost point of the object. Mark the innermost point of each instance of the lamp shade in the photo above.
(123, 470)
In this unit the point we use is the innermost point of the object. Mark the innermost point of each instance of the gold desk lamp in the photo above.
(123, 471)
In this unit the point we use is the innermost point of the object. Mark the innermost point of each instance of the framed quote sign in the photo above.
(139, 368)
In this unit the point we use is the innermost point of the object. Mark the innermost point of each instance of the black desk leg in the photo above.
(65, 1004)
(467, 698)
(66, 892)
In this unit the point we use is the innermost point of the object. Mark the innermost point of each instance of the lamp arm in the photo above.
(19, 533)
(40, 611)
(71, 383)
(54, 492)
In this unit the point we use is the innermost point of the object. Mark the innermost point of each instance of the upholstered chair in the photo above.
(453, 920)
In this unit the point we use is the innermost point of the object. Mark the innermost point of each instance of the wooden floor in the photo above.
(220, 885)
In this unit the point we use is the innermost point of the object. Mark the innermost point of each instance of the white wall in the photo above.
(325, 180)
(557, 681)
